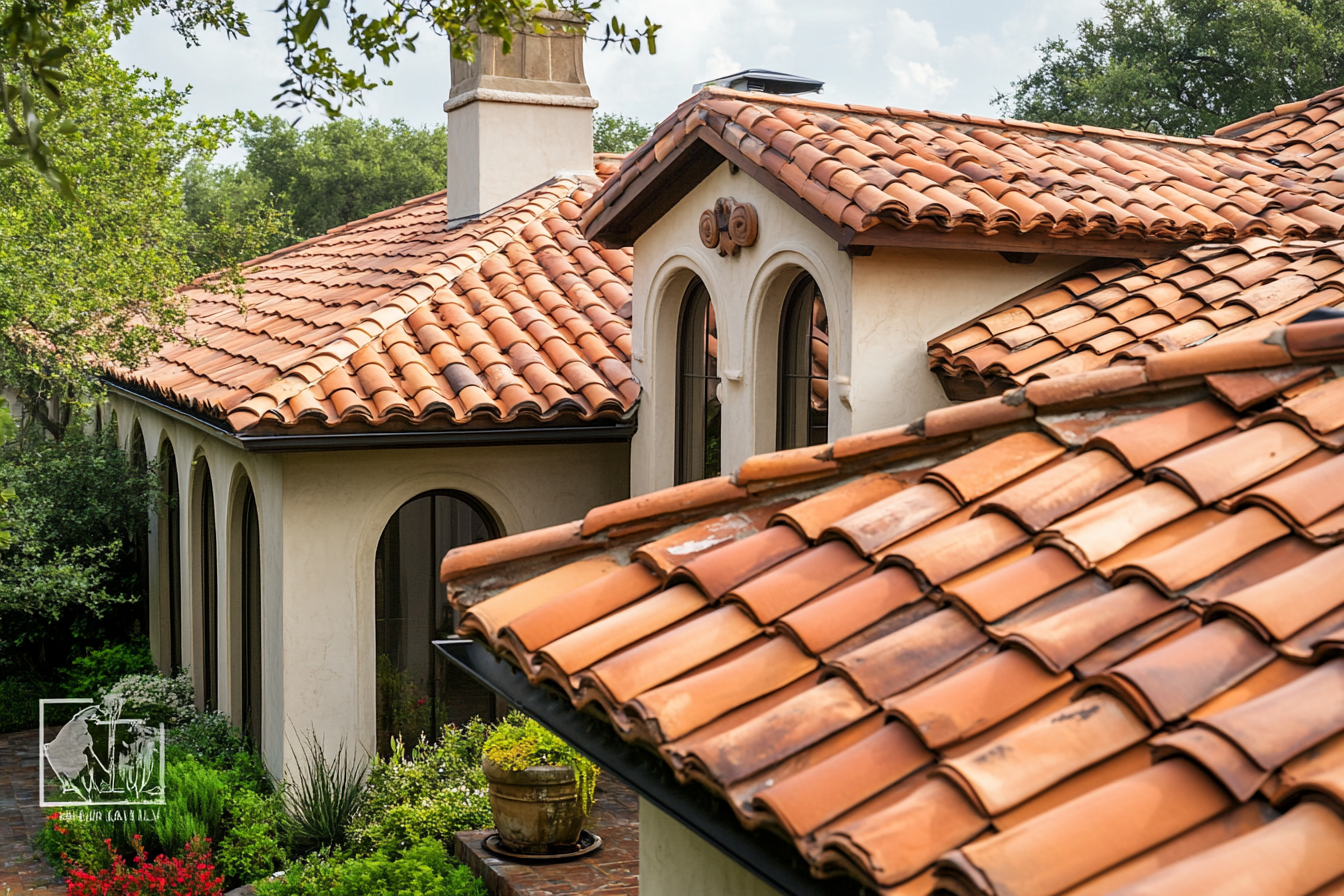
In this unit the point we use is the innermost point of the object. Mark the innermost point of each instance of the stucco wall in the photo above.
(902, 298)
(882, 310)
(321, 515)
(336, 504)
(748, 291)
(676, 861)
(231, 469)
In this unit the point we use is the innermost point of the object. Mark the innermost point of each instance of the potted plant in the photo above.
(541, 788)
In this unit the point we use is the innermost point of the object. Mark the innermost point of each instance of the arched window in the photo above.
(418, 690)
(249, 617)
(804, 344)
(208, 591)
(140, 538)
(170, 561)
(699, 423)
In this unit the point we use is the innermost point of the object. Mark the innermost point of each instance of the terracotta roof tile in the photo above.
(899, 170)
(396, 326)
(1121, 606)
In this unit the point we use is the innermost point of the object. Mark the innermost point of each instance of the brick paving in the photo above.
(611, 871)
(21, 870)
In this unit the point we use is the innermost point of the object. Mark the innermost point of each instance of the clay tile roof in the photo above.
(395, 321)
(1092, 645)
(1306, 136)
(864, 172)
(1107, 319)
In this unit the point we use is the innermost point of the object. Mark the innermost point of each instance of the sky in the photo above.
(951, 56)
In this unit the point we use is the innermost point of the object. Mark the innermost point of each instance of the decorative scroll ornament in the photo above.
(729, 226)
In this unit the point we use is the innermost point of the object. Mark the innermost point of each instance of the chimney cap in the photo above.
(759, 80)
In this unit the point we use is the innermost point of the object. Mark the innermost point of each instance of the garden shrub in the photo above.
(255, 837)
(436, 791)
(191, 875)
(100, 668)
(155, 698)
(325, 795)
(67, 841)
(423, 870)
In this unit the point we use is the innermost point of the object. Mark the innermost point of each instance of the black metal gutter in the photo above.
(761, 852)
(620, 431)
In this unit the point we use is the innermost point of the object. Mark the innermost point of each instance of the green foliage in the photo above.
(256, 834)
(403, 709)
(91, 278)
(618, 133)
(195, 795)
(1184, 67)
(155, 698)
(71, 581)
(519, 743)
(102, 667)
(326, 795)
(436, 791)
(234, 217)
(209, 738)
(67, 841)
(424, 870)
(39, 39)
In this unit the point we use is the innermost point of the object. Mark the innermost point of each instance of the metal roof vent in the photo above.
(758, 80)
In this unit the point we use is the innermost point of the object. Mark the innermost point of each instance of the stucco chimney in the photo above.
(517, 120)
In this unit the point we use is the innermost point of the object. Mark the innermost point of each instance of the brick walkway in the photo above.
(611, 871)
(20, 818)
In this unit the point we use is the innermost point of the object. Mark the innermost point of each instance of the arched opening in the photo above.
(207, 589)
(249, 617)
(804, 346)
(170, 561)
(140, 539)
(699, 421)
(418, 690)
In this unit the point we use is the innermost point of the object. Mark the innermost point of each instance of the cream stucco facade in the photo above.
(321, 514)
(883, 309)
(676, 861)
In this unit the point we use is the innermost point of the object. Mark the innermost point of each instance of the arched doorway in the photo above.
(418, 690)
(207, 588)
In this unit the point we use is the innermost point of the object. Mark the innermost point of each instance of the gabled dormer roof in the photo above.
(888, 176)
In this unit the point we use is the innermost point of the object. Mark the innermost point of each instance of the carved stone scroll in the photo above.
(729, 226)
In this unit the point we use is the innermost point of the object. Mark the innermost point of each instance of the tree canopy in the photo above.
(39, 37)
(618, 133)
(1184, 67)
(94, 275)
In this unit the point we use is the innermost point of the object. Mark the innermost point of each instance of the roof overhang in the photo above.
(665, 182)
(600, 431)
(769, 857)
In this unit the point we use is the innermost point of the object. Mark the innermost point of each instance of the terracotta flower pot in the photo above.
(536, 808)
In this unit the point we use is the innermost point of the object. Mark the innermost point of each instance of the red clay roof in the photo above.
(867, 170)
(1307, 136)
(1123, 311)
(1081, 637)
(396, 321)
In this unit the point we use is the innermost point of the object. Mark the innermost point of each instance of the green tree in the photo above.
(38, 38)
(234, 215)
(1184, 67)
(91, 277)
(339, 171)
(618, 133)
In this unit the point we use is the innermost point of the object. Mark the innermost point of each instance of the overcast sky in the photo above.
(951, 56)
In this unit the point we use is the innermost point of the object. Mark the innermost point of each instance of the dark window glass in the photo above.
(170, 542)
(250, 618)
(699, 422)
(804, 345)
(209, 591)
(419, 691)
(140, 538)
